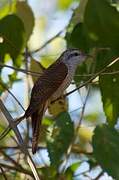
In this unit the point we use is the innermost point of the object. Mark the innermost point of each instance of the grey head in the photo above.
(73, 57)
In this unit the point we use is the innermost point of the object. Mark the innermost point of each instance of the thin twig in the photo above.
(37, 74)
(17, 147)
(12, 160)
(16, 168)
(77, 128)
(19, 138)
(21, 70)
(49, 41)
(86, 175)
(5, 132)
(89, 75)
(83, 108)
(3, 173)
(11, 121)
(13, 96)
(39, 49)
(100, 175)
(85, 83)
(89, 80)
(76, 131)
(80, 86)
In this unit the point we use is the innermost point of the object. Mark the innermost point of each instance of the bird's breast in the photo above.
(64, 85)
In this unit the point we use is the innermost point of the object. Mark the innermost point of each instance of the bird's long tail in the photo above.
(36, 123)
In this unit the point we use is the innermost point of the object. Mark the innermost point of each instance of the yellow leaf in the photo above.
(85, 133)
(47, 61)
(24, 12)
(36, 66)
(64, 4)
(84, 139)
(58, 106)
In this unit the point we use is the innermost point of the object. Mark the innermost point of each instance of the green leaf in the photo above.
(76, 34)
(47, 121)
(81, 70)
(60, 139)
(93, 32)
(7, 7)
(106, 149)
(78, 38)
(109, 86)
(71, 169)
(24, 12)
(104, 57)
(12, 36)
(78, 13)
(46, 61)
(49, 173)
(64, 4)
(13, 78)
(102, 23)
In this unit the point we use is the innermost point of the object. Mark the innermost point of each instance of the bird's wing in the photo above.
(46, 85)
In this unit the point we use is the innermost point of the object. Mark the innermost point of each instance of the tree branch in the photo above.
(16, 168)
(10, 159)
(21, 70)
(49, 41)
(92, 78)
(13, 96)
(3, 173)
(5, 132)
(20, 140)
(17, 147)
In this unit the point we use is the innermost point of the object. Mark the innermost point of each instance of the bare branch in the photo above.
(5, 132)
(3, 173)
(17, 147)
(49, 41)
(11, 159)
(83, 108)
(99, 176)
(13, 96)
(76, 131)
(16, 168)
(89, 75)
(21, 70)
(19, 138)
(93, 77)
(85, 83)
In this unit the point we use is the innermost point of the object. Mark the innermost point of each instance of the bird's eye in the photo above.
(73, 55)
(76, 54)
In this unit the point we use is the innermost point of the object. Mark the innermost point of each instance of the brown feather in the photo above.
(49, 86)
(36, 118)
(46, 85)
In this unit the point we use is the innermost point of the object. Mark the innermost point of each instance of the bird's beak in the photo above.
(87, 55)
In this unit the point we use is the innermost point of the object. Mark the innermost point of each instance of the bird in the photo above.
(50, 86)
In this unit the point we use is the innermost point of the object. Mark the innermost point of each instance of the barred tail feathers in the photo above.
(36, 123)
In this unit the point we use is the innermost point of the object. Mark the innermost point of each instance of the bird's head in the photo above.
(73, 57)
